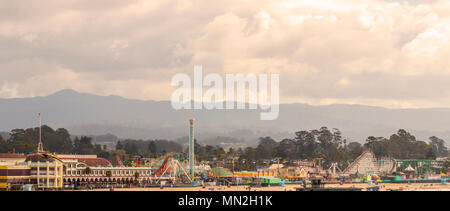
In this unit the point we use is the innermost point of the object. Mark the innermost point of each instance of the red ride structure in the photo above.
(119, 161)
(162, 168)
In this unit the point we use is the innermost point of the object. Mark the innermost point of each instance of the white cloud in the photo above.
(358, 51)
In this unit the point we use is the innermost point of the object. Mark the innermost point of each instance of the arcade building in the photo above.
(45, 171)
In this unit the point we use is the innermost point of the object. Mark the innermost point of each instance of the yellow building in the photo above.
(40, 172)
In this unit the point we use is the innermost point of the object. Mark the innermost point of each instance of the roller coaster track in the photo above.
(162, 168)
(357, 162)
(170, 167)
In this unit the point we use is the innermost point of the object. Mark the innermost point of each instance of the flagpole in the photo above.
(40, 147)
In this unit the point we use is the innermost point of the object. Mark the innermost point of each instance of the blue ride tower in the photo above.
(191, 149)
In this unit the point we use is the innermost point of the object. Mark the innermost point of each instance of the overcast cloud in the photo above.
(374, 52)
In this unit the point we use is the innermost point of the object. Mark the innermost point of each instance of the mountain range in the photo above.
(88, 114)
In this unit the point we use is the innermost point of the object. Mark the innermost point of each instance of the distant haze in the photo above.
(87, 114)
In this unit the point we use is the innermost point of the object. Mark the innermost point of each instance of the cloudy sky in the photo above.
(374, 52)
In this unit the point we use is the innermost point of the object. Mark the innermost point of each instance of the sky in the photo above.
(372, 52)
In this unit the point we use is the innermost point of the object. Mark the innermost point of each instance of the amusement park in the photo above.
(42, 170)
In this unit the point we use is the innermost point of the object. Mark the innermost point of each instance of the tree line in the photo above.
(59, 141)
(324, 144)
(328, 146)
